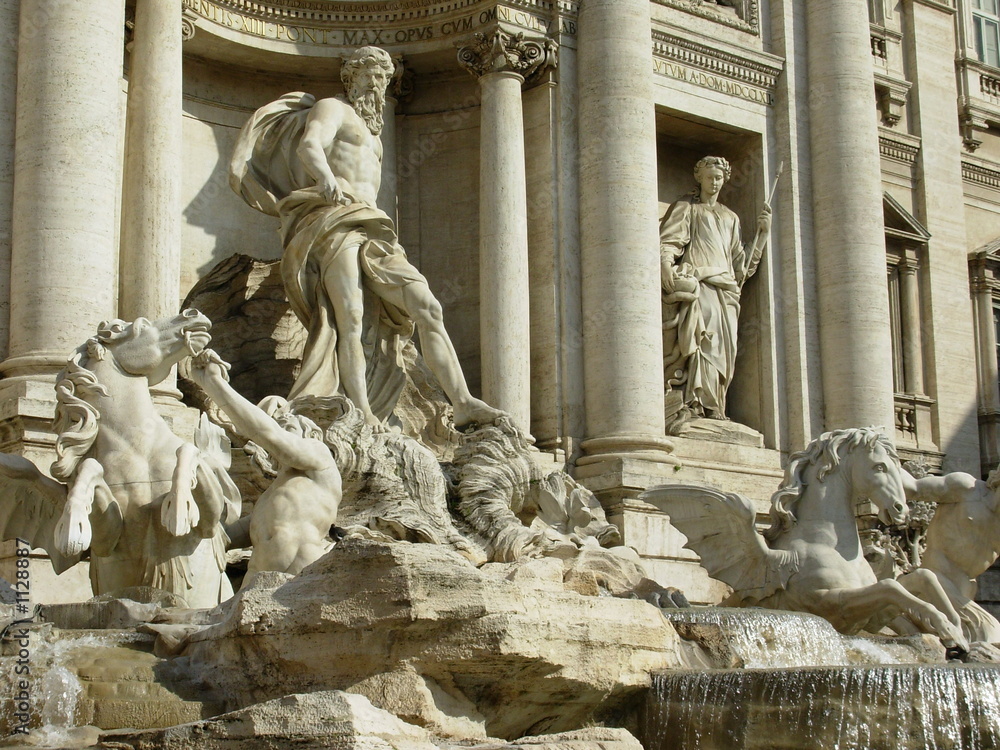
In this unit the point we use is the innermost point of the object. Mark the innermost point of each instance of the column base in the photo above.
(617, 481)
(34, 366)
(642, 447)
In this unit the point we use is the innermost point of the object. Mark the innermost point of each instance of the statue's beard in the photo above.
(368, 104)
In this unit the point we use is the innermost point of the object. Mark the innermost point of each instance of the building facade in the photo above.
(532, 148)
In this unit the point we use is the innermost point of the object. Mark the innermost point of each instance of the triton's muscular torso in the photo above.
(353, 153)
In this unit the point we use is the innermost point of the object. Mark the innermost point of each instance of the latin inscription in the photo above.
(716, 83)
(361, 37)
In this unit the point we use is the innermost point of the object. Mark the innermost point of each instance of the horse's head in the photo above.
(150, 348)
(876, 475)
(865, 460)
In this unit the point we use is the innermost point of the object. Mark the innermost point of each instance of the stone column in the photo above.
(8, 99)
(151, 190)
(501, 62)
(988, 373)
(986, 340)
(65, 196)
(854, 327)
(387, 192)
(909, 302)
(619, 238)
(399, 88)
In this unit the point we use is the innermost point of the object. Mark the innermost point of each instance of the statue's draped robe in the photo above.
(705, 240)
(268, 174)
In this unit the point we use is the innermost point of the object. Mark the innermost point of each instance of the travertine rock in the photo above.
(333, 719)
(316, 720)
(528, 661)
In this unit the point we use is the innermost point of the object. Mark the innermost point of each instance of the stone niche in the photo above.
(681, 142)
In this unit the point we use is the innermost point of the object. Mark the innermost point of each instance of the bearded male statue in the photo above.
(317, 165)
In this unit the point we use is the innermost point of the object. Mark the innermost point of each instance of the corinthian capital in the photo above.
(500, 52)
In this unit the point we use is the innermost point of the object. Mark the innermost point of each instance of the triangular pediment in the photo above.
(901, 223)
(990, 250)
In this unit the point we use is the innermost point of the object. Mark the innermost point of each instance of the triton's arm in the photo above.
(322, 125)
(208, 371)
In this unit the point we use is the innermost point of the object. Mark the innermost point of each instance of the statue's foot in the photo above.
(475, 410)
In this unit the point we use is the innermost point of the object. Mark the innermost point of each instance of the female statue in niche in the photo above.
(704, 265)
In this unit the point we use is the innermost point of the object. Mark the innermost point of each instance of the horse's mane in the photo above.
(76, 421)
(824, 452)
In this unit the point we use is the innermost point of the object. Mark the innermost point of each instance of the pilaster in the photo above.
(939, 203)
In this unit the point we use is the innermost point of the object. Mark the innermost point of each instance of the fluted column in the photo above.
(854, 328)
(8, 99)
(909, 298)
(501, 62)
(619, 240)
(151, 201)
(986, 340)
(63, 255)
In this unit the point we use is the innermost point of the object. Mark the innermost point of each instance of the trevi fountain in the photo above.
(578, 374)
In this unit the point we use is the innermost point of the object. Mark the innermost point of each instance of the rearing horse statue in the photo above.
(811, 558)
(150, 506)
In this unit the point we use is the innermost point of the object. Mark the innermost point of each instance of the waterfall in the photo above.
(893, 707)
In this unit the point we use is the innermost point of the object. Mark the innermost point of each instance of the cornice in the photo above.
(978, 172)
(899, 147)
(355, 15)
(756, 69)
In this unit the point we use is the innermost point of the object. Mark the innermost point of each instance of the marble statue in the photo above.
(811, 557)
(149, 506)
(518, 509)
(963, 541)
(703, 267)
(290, 523)
(317, 166)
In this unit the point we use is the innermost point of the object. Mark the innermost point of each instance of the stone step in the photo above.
(142, 714)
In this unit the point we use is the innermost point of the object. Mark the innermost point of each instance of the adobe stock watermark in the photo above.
(20, 637)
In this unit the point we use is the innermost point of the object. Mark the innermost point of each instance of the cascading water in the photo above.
(896, 707)
(803, 685)
(55, 688)
(766, 638)
(56, 695)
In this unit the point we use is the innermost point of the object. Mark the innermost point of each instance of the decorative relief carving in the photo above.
(745, 15)
(891, 95)
(500, 52)
(401, 83)
(188, 27)
(308, 24)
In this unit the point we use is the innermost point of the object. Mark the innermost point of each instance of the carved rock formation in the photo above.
(526, 660)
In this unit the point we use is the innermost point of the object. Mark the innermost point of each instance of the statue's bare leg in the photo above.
(416, 300)
(342, 282)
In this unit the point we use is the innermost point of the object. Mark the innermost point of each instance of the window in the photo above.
(986, 28)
